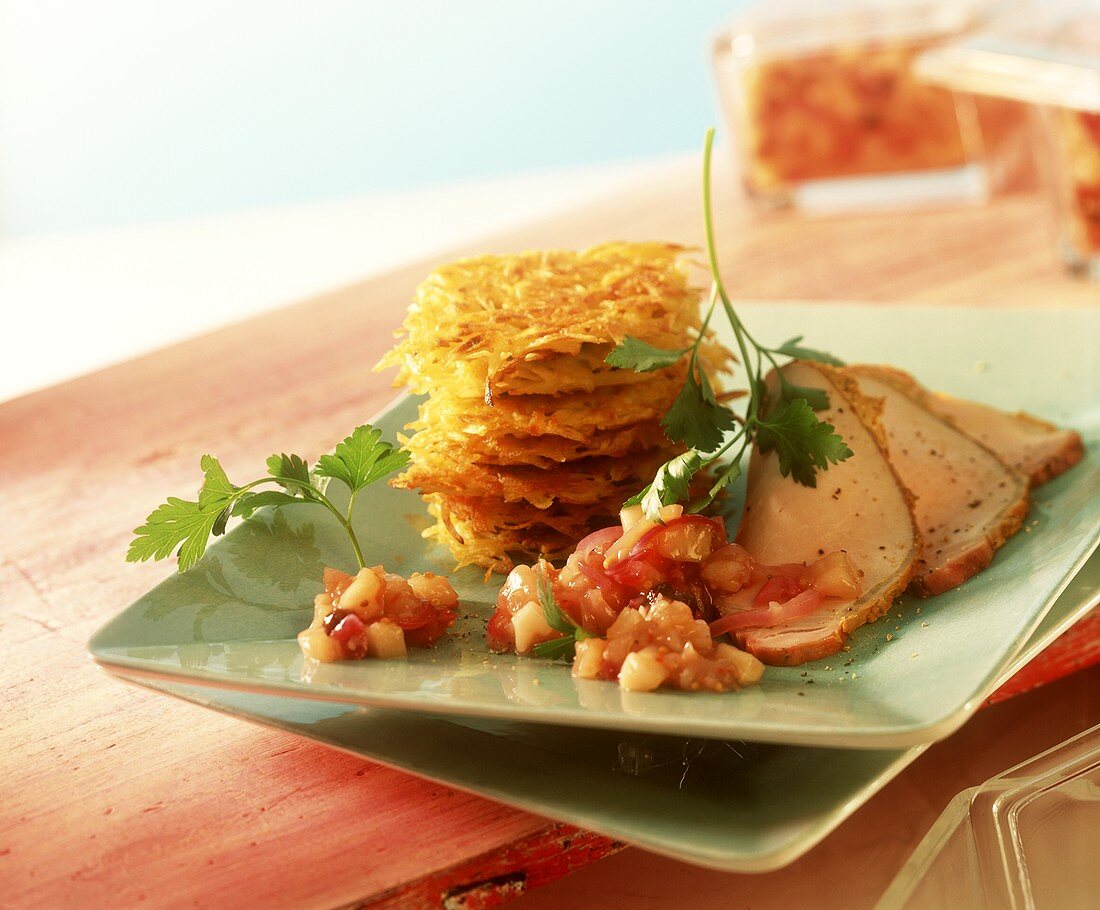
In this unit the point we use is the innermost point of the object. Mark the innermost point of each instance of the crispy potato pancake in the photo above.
(574, 415)
(486, 513)
(500, 550)
(577, 483)
(542, 322)
(528, 440)
(479, 533)
(540, 451)
(577, 416)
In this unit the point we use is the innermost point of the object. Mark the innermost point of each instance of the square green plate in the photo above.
(911, 678)
(737, 806)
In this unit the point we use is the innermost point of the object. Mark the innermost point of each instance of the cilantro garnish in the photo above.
(556, 619)
(713, 433)
(184, 527)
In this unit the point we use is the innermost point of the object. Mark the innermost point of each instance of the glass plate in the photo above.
(912, 677)
(729, 805)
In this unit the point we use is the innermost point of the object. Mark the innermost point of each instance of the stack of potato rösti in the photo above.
(527, 439)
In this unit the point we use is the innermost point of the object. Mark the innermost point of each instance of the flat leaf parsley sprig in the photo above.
(713, 433)
(183, 527)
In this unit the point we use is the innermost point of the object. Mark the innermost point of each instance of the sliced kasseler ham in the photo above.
(967, 501)
(859, 507)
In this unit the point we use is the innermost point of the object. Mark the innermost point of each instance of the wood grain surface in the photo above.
(113, 796)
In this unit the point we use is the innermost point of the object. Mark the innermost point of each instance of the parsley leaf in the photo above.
(176, 523)
(634, 354)
(184, 527)
(556, 649)
(248, 503)
(291, 472)
(708, 428)
(215, 485)
(802, 442)
(788, 392)
(671, 483)
(696, 419)
(556, 619)
(286, 466)
(728, 475)
(361, 459)
(793, 348)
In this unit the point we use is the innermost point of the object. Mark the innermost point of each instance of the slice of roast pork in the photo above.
(858, 506)
(968, 502)
(1026, 444)
(1031, 446)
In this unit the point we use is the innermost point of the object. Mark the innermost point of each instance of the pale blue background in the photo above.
(126, 111)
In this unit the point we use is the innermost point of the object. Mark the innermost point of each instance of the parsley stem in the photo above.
(706, 319)
(701, 420)
(708, 214)
(312, 493)
(739, 330)
(742, 434)
(693, 359)
(754, 374)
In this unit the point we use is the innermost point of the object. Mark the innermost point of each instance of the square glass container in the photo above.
(1048, 57)
(1073, 138)
(827, 114)
(1024, 840)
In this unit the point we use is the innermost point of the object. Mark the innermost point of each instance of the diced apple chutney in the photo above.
(646, 602)
(377, 614)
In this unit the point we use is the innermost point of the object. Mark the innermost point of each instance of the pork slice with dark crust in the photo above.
(968, 502)
(858, 506)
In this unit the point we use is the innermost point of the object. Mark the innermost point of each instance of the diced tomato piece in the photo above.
(500, 633)
(599, 541)
(335, 581)
(429, 634)
(614, 593)
(413, 616)
(641, 573)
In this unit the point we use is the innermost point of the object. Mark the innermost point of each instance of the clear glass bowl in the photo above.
(1026, 840)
